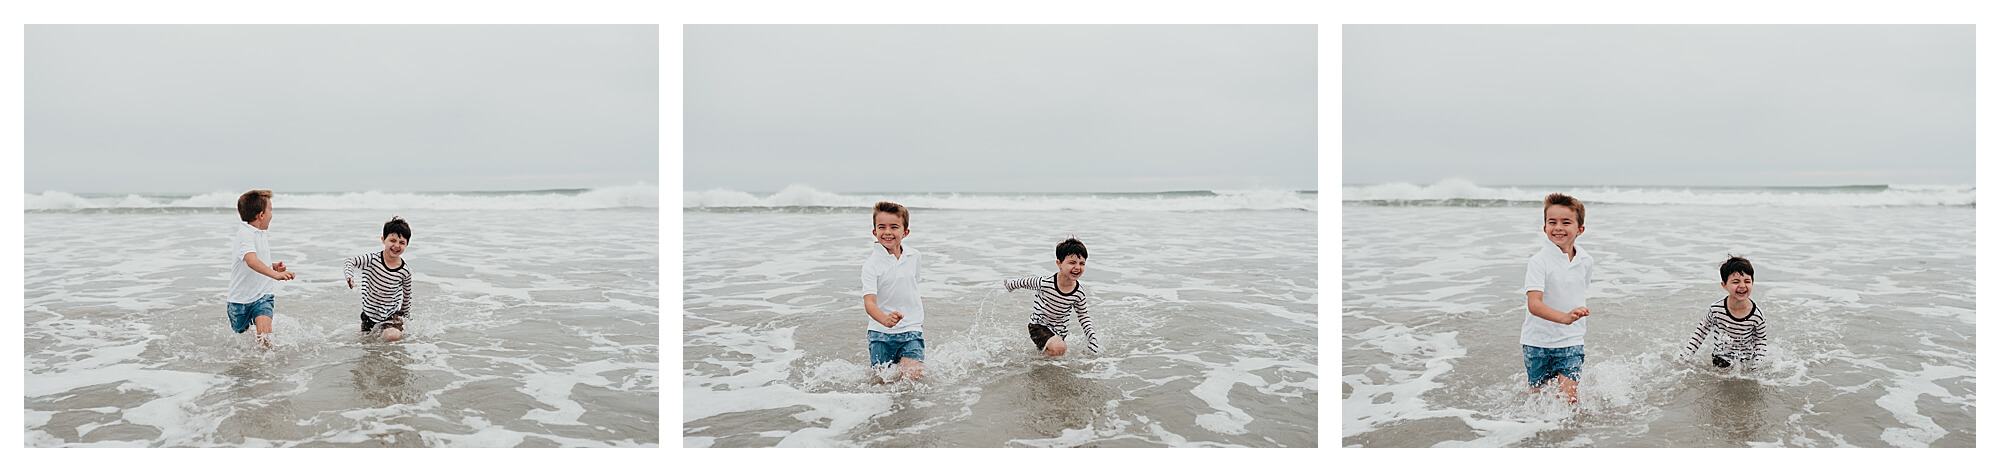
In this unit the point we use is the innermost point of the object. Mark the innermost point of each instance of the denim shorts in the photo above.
(1546, 363)
(884, 348)
(241, 314)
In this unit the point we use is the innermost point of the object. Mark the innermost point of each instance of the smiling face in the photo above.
(1070, 268)
(1738, 285)
(393, 245)
(1560, 224)
(890, 231)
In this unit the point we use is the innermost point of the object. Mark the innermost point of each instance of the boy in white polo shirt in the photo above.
(253, 283)
(1558, 276)
(889, 294)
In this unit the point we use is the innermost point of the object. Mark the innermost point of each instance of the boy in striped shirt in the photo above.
(385, 294)
(1057, 296)
(1734, 321)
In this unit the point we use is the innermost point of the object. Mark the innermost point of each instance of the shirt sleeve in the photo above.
(1083, 318)
(870, 275)
(409, 283)
(1024, 282)
(1537, 278)
(1700, 332)
(244, 246)
(347, 265)
(1757, 348)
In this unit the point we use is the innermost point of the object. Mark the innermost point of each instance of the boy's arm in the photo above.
(1027, 282)
(1700, 331)
(261, 268)
(1544, 311)
(887, 319)
(870, 275)
(408, 283)
(1757, 348)
(1083, 318)
(347, 269)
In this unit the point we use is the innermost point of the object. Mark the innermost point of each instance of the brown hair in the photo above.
(252, 203)
(1558, 199)
(1737, 264)
(898, 210)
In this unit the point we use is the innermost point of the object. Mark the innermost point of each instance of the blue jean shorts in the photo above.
(241, 314)
(884, 348)
(1545, 363)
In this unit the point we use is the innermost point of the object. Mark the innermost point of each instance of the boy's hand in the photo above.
(350, 283)
(280, 267)
(887, 319)
(287, 275)
(1578, 314)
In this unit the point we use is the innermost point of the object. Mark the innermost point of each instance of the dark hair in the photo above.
(252, 203)
(1737, 264)
(396, 225)
(898, 210)
(1070, 246)
(1558, 199)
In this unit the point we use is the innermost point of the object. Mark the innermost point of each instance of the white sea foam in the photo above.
(1460, 192)
(628, 196)
(802, 197)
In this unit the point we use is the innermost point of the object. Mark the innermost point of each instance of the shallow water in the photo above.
(1208, 321)
(526, 332)
(1870, 315)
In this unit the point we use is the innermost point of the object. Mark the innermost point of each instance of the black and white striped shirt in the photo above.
(1053, 306)
(384, 291)
(1741, 339)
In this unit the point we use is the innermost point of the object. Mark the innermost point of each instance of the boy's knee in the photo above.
(392, 334)
(1056, 350)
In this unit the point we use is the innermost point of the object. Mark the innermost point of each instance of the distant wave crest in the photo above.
(630, 196)
(1459, 192)
(803, 198)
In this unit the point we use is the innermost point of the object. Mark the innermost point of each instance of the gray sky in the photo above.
(1000, 108)
(190, 109)
(1658, 105)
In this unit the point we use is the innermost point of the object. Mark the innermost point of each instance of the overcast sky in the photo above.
(191, 109)
(1658, 105)
(1058, 108)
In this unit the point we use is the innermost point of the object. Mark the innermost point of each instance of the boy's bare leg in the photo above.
(1568, 387)
(1055, 346)
(264, 330)
(912, 369)
(391, 334)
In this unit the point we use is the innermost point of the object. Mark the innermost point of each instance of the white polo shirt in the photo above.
(893, 282)
(247, 285)
(1562, 281)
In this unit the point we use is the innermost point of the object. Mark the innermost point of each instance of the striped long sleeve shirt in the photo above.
(384, 291)
(1735, 338)
(1053, 306)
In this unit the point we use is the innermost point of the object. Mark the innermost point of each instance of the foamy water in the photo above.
(803, 198)
(1870, 313)
(1208, 320)
(531, 328)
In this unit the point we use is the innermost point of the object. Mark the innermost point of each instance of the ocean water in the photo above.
(1867, 291)
(1207, 305)
(536, 323)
